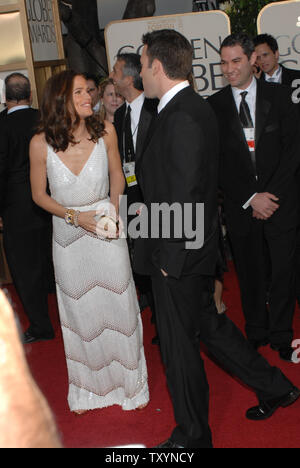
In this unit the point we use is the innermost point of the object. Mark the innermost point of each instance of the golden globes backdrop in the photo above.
(205, 30)
(31, 41)
(282, 20)
(41, 22)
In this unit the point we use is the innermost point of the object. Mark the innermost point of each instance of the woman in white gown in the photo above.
(97, 301)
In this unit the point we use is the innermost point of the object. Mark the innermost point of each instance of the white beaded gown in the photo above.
(98, 307)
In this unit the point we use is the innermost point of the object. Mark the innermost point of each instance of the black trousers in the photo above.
(275, 322)
(298, 266)
(186, 315)
(27, 254)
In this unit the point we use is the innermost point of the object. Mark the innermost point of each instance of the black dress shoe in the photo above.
(258, 343)
(266, 409)
(169, 444)
(285, 352)
(28, 338)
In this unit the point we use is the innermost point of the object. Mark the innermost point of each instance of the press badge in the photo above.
(250, 138)
(129, 172)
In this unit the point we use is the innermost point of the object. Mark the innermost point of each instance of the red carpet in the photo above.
(113, 427)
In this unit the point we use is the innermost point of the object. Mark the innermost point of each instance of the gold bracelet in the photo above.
(69, 217)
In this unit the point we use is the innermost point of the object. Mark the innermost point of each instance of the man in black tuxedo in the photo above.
(137, 111)
(260, 154)
(3, 115)
(267, 51)
(132, 127)
(179, 167)
(26, 227)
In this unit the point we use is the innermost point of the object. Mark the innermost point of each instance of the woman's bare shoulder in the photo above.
(110, 136)
(109, 127)
(38, 145)
(39, 140)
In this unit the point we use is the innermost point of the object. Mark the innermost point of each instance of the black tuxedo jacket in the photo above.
(147, 113)
(179, 165)
(3, 115)
(16, 205)
(277, 156)
(288, 76)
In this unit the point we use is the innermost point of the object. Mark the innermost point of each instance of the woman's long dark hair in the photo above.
(58, 110)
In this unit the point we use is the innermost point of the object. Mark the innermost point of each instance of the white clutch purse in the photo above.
(107, 227)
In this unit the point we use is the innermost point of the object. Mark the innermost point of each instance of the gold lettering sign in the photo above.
(11, 39)
(42, 30)
(205, 31)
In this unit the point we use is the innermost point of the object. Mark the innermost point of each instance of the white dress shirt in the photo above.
(276, 77)
(251, 101)
(17, 108)
(136, 109)
(167, 97)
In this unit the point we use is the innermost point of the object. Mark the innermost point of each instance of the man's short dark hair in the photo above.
(92, 77)
(17, 87)
(266, 39)
(132, 67)
(242, 40)
(173, 50)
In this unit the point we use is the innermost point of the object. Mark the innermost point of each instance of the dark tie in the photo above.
(245, 115)
(247, 122)
(129, 153)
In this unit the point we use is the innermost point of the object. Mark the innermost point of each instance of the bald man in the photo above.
(26, 228)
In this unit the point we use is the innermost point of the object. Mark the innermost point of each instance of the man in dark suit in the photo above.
(26, 227)
(260, 153)
(267, 51)
(128, 83)
(179, 170)
(3, 115)
(132, 128)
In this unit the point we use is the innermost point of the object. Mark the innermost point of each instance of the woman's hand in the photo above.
(108, 227)
(108, 222)
(86, 220)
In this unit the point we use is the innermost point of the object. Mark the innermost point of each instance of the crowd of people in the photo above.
(144, 132)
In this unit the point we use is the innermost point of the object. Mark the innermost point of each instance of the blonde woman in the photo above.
(110, 100)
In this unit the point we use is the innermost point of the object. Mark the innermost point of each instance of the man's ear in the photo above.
(156, 67)
(253, 58)
(129, 80)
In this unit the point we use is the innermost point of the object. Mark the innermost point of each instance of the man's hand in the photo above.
(264, 204)
(256, 215)
(164, 273)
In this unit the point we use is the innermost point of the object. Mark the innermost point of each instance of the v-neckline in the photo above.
(83, 167)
